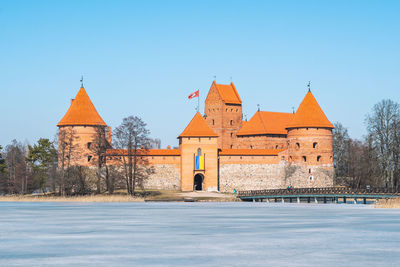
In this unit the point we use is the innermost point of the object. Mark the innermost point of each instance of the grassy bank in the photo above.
(88, 198)
(391, 203)
(140, 196)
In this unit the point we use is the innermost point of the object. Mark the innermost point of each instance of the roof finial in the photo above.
(293, 110)
(82, 81)
(231, 79)
(258, 107)
(215, 78)
(309, 86)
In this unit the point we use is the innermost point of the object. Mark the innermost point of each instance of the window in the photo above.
(305, 158)
(89, 158)
(283, 158)
(251, 147)
(276, 147)
(231, 146)
(315, 145)
(199, 151)
(309, 170)
(231, 122)
(88, 145)
(318, 158)
(297, 145)
(213, 122)
(231, 134)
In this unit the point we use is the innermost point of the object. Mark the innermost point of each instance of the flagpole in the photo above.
(198, 103)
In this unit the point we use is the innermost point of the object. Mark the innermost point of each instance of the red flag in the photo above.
(194, 94)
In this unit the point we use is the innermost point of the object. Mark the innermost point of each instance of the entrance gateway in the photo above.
(198, 182)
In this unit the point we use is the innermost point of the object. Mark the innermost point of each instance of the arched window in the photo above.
(297, 145)
(231, 122)
(318, 158)
(89, 144)
(315, 145)
(276, 147)
(251, 147)
(305, 158)
(199, 151)
(231, 146)
(213, 122)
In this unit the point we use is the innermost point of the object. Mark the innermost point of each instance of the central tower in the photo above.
(223, 113)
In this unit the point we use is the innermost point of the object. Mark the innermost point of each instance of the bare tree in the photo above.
(67, 152)
(17, 180)
(132, 138)
(99, 147)
(383, 126)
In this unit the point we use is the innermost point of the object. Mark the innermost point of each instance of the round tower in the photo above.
(81, 130)
(310, 141)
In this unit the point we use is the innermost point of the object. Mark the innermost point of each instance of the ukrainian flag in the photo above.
(199, 162)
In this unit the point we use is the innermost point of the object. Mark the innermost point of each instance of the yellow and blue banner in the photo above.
(199, 162)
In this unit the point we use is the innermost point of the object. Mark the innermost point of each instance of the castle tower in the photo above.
(199, 156)
(223, 113)
(310, 135)
(79, 129)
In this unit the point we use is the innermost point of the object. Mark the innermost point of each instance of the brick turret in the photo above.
(310, 135)
(81, 126)
(223, 112)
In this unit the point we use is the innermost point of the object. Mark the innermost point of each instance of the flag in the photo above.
(194, 94)
(199, 163)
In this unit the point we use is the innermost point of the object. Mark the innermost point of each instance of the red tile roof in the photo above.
(82, 112)
(266, 122)
(198, 127)
(147, 152)
(250, 152)
(228, 93)
(309, 114)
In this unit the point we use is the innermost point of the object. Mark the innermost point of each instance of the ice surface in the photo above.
(197, 234)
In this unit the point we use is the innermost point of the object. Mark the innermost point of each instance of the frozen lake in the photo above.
(216, 234)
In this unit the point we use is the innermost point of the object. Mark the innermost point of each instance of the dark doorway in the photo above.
(198, 182)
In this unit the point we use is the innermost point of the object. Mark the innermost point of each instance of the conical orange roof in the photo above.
(198, 127)
(82, 112)
(310, 114)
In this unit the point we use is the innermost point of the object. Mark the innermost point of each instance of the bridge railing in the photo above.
(318, 191)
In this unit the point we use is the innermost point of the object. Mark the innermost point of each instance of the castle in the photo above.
(219, 151)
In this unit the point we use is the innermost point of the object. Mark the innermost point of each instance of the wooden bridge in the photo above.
(323, 195)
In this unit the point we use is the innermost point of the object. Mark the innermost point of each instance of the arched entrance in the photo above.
(198, 182)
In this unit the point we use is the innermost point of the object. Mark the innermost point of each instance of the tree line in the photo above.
(49, 166)
(375, 159)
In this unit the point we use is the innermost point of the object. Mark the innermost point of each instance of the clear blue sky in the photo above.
(145, 57)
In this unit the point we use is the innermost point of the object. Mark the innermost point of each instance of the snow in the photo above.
(198, 234)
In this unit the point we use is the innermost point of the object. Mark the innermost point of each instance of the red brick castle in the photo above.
(219, 151)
